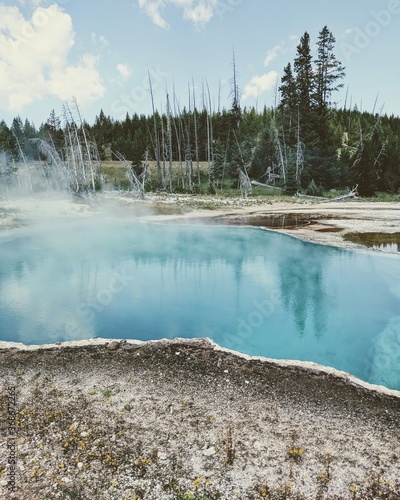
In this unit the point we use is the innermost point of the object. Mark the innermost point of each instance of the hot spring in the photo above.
(248, 289)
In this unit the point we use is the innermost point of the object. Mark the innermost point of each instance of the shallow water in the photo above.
(276, 221)
(386, 242)
(251, 290)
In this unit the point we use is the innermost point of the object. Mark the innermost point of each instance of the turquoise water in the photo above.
(254, 291)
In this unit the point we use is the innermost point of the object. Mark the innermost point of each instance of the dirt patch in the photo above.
(162, 420)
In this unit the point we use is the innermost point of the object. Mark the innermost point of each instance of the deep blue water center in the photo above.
(250, 290)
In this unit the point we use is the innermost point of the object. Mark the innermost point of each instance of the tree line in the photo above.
(304, 142)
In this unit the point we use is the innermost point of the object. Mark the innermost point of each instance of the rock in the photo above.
(96, 465)
(129, 347)
(113, 345)
(209, 452)
(257, 445)
(161, 455)
(79, 465)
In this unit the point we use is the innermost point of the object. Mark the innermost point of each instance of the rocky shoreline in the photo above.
(160, 420)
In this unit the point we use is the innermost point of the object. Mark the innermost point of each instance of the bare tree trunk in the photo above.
(169, 131)
(88, 152)
(77, 145)
(137, 186)
(210, 145)
(196, 140)
(24, 161)
(163, 153)
(245, 184)
(70, 150)
(281, 158)
(156, 144)
(299, 154)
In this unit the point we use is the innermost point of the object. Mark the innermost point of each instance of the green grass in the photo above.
(384, 197)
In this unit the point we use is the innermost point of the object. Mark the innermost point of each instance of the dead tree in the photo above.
(196, 139)
(137, 185)
(245, 184)
(210, 144)
(156, 141)
(23, 159)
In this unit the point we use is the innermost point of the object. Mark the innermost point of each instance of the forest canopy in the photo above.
(304, 142)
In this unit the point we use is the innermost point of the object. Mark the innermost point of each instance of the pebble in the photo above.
(113, 345)
(161, 455)
(209, 452)
(79, 465)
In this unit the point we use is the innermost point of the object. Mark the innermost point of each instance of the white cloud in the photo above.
(199, 12)
(272, 55)
(34, 59)
(260, 84)
(152, 8)
(81, 81)
(100, 40)
(33, 3)
(124, 70)
(282, 48)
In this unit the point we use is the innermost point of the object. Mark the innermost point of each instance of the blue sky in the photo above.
(100, 51)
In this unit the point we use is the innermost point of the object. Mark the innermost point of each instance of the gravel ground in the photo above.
(188, 420)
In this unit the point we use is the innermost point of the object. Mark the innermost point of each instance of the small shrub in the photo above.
(106, 392)
(295, 452)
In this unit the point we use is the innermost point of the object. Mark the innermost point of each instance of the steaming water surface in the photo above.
(250, 290)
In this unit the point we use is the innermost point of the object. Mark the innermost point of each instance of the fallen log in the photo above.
(260, 184)
(351, 194)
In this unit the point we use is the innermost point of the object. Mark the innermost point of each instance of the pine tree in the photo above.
(7, 141)
(328, 71)
(366, 163)
(289, 105)
(288, 91)
(52, 131)
(304, 76)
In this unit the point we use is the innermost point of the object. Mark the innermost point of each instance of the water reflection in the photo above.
(255, 291)
(386, 242)
(303, 287)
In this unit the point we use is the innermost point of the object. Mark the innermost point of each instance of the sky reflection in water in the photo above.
(250, 290)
